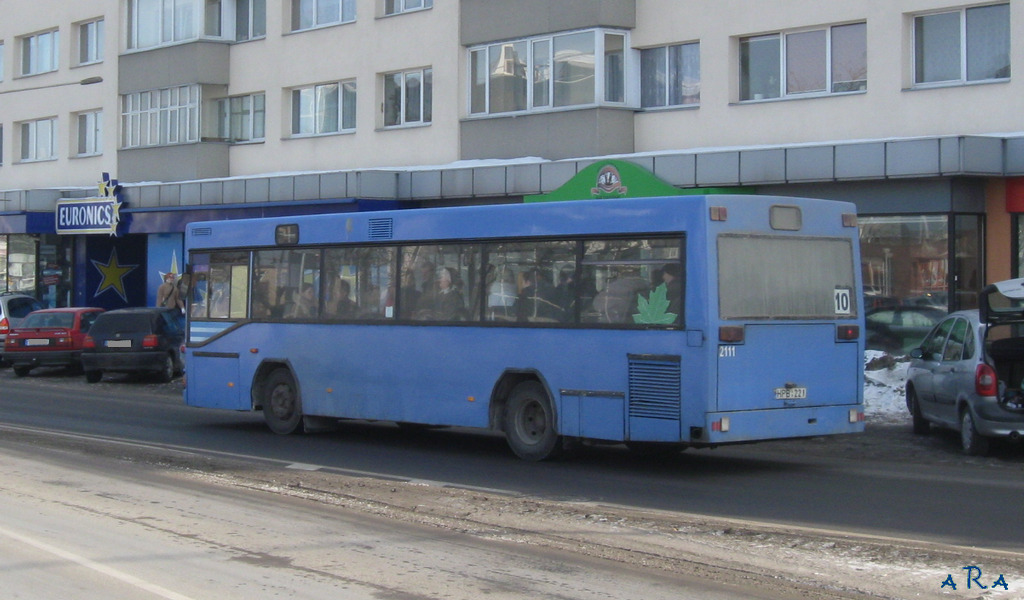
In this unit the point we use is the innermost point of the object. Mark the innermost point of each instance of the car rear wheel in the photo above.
(974, 444)
(167, 372)
(282, 406)
(921, 425)
(93, 376)
(22, 371)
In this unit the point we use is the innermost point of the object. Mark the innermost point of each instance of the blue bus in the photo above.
(690, 321)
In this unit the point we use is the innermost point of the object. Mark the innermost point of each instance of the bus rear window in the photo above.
(775, 277)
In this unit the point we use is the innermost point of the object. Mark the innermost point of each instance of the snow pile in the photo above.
(884, 381)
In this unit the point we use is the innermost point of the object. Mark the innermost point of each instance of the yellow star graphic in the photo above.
(113, 275)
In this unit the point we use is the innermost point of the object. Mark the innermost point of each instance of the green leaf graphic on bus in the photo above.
(654, 310)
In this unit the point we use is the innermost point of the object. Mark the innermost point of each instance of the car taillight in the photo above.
(88, 342)
(5, 326)
(985, 381)
(150, 341)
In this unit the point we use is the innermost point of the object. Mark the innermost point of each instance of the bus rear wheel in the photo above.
(529, 423)
(282, 407)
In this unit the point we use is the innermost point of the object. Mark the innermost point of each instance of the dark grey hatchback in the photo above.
(135, 340)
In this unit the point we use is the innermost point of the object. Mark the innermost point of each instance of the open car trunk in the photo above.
(1001, 307)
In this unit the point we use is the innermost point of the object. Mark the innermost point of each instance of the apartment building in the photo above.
(210, 109)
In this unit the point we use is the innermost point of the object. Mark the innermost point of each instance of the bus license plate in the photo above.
(119, 343)
(794, 393)
(37, 342)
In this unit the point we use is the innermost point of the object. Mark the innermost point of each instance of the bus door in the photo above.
(789, 365)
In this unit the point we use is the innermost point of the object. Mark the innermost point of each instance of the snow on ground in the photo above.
(884, 381)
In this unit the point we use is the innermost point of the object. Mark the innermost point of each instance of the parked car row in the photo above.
(94, 341)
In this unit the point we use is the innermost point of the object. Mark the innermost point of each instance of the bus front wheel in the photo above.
(282, 407)
(529, 423)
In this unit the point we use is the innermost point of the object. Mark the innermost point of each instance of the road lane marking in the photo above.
(121, 576)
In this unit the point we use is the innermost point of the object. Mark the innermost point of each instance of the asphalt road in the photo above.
(885, 482)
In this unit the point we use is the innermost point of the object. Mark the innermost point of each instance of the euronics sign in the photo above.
(92, 215)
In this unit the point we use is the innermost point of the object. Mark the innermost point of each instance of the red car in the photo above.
(50, 337)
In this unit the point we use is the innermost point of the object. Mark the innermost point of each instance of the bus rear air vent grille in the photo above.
(381, 229)
(202, 231)
(654, 389)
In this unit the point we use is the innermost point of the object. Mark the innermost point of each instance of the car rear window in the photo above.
(65, 320)
(124, 323)
(19, 307)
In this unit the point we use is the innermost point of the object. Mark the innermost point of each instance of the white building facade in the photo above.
(207, 109)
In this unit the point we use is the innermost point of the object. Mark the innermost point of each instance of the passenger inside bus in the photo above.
(618, 301)
(537, 301)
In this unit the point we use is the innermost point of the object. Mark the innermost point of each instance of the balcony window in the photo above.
(540, 73)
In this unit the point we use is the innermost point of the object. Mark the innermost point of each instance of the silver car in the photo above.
(968, 373)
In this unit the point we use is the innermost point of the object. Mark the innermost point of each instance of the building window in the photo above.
(160, 117)
(308, 14)
(541, 73)
(832, 60)
(250, 19)
(242, 118)
(157, 22)
(39, 140)
(393, 7)
(90, 42)
(1, 144)
(670, 76)
(1, 62)
(971, 44)
(39, 52)
(326, 108)
(90, 133)
(408, 98)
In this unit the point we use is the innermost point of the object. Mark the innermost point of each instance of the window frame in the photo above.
(964, 66)
(91, 38)
(90, 132)
(346, 88)
(401, 6)
(665, 91)
(30, 142)
(255, 25)
(780, 63)
(424, 106)
(346, 14)
(548, 61)
(151, 118)
(32, 57)
(226, 116)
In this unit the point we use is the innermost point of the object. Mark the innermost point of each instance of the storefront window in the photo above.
(21, 264)
(908, 273)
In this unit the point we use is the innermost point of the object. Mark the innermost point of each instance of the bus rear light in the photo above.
(150, 341)
(849, 220)
(847, 333)
(719, 213)
(721, 425)
(985, 381)
(856, 415)
(733, 334)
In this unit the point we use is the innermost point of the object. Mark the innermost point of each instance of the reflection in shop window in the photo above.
(905, 260)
